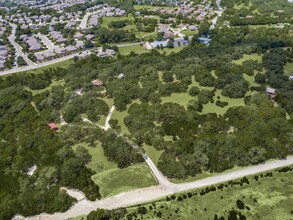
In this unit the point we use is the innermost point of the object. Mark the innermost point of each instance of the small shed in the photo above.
(97, 82)
(53, 126)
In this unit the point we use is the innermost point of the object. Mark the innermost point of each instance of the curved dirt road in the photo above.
(155, 192)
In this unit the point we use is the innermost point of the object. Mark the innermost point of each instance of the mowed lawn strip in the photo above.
(267, 198)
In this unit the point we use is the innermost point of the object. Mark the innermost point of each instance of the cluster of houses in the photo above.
(31, 41)
(58, 52)
(57, 37)
(34, 22)
(199, 12)
(106, 11)
(3, 56)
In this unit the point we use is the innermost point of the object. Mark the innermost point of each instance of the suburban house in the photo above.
(204, 40)
(97, 82)
(271, 92)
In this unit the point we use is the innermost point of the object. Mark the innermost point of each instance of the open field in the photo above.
(110, 178)
(135, 48)
(140, 7)
(99, 163)
(54, 83)
(108, 20)
(248, 57)
(188, 32)
(117, 180)
(288, 69)
(268, 198)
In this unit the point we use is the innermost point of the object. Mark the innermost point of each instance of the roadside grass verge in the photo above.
(265, 197)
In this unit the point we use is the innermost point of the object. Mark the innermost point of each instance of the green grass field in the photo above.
(54, 83)
(140, 7)
(135, 48)
(110, 178)
(269, 198)
(117, 180)
(99, 162)
(153, 153)
(188, 32)
(248, 57)
(288, 69)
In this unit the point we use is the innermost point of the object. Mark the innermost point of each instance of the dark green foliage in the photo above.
(120, 151)
(240, 204)
(221, 104)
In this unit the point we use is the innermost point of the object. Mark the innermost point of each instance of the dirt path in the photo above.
(155, 192)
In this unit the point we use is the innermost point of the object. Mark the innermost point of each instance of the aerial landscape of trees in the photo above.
(204, 109)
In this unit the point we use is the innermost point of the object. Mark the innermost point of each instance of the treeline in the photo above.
(26, 142)
(104, 36)
(117, 149)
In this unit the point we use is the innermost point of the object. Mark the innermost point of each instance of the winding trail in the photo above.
(148, 194)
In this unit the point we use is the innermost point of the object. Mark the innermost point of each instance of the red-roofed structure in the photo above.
(53, 126)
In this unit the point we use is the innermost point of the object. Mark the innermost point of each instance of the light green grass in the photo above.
(153, 153)
(248, 57)
(62, 64)
(140, 7)
(120, 117)
(168, 51)
(54, 83)
(135, 48)
(99, 162)
(82, 217)
(189, 33)
(288, 69)
(213, 108)
(107, 20)
(179, 98)
(269, 198)
(117, 180)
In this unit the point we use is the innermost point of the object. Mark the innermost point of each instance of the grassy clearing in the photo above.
(153, 153)
(117, 180)
(135, 48)
(288, 69)
(99, 162)
(188, 32)
(248, 57)
(108, 20)
(268, 198)
(54, 83)
(168, 51)
(180, 98)
(140, 7)
(62, 64)
(120, 117)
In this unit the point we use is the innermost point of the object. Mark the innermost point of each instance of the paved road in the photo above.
(107, 125)
(158, 175)
(83, 22)
(219, 14)
(47, 42)
(47, 63)
(143, 195)
(18, 50)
